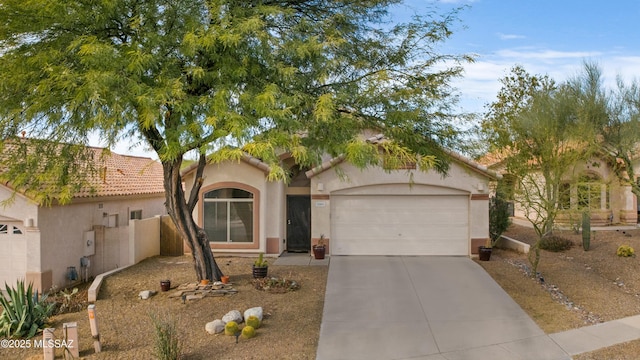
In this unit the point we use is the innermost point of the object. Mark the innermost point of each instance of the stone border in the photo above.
(94, 289)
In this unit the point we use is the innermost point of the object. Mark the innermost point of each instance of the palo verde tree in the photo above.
(533, 125)
(614, 118)
(215, 79)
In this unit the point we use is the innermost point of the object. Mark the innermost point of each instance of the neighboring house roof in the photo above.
(122, 175)
(117, 175)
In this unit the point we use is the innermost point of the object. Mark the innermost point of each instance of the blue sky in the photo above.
(544, 36)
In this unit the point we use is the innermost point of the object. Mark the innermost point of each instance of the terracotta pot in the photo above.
(165, 285)
(204, 282)
(318, 252)
(484, 253)
(225, 279)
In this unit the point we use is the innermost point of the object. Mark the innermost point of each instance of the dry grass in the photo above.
(599, 285)
(290, 328)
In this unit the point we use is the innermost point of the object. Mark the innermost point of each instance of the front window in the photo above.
(590, 191)
(228, 215)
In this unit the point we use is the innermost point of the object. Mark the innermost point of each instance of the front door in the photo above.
(298, 223)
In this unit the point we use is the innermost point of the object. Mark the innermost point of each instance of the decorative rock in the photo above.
(145, 294)
(255, 311)
(233, 315)
(215, 326)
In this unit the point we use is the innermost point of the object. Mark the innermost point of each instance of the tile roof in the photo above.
(122, 175)
(114, 174)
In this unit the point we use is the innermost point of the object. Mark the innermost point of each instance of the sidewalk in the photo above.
(594, 337)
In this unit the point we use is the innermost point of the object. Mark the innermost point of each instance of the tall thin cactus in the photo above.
(586, 230)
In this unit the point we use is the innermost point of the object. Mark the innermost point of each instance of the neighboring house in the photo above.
(589, 186)
(359, 211)
(49, 245)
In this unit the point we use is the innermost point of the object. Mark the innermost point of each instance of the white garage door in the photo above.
(399, 225)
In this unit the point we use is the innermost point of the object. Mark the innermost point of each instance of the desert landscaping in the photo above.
(580, 288)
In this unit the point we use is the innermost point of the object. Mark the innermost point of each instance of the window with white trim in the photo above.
(228, 215)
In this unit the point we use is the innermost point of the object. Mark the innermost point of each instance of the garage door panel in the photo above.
(400, 225)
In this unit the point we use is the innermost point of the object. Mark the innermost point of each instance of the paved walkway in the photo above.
(437, 308)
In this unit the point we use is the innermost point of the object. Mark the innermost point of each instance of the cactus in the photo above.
(253, 321)
(248, 332)
(231, 328)
(586, 230)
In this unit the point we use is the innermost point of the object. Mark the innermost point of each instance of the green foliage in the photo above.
(248, 332)
(24, 314)
(586, 230)
(625, 251)
(499, 220)
(253, 321)
(231, 328)
(166, 337)
(260, 261)
(555, 243)
(196, 77)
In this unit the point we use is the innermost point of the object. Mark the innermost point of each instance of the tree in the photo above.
(614, 119)
(219, 78)
(533, 125)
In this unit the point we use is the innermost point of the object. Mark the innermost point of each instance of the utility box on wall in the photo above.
(89, 243)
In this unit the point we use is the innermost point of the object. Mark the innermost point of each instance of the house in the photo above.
(59, 244)
(359, 211)
(590, 185)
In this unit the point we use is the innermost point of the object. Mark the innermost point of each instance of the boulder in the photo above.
(145, 294)
(215, 326)
(233, 315)
(255, 311)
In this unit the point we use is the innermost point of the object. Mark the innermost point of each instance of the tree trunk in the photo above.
(181, 213)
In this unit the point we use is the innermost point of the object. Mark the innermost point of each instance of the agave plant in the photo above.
(24, 313)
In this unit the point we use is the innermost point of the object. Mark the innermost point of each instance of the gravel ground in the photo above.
(580, 287)
(290, 328)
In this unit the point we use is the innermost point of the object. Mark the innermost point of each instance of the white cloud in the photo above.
(510, 36)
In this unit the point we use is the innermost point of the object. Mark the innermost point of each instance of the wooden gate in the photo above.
(171, 244)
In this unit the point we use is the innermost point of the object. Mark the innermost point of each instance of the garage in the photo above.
(395, 224)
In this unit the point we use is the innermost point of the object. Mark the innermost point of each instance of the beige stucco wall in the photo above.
(242, 173)
(147, 235)
(57, 238)
(460, 180)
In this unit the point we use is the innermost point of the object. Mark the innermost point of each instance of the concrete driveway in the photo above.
(435, 308)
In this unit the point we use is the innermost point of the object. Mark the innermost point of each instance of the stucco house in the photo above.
(590, 185)
(58, 244)
(359, 211)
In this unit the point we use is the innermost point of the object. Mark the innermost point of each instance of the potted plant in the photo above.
(499, 222)
(260, 267)
(319, 249)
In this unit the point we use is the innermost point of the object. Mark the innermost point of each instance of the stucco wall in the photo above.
(62, 230)
(228, 174)
(147, 235)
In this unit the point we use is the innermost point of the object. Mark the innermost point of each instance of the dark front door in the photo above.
(298, 223)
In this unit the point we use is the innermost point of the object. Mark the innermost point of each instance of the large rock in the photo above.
(215, 327)
(255, 311)
(233, 315)
(145, 294)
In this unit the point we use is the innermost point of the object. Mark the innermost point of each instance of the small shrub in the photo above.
(253, 321)
(166, 341)
(231, 328)
(248, 332)
(555, 243)
(24, 313)
(625, 251)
